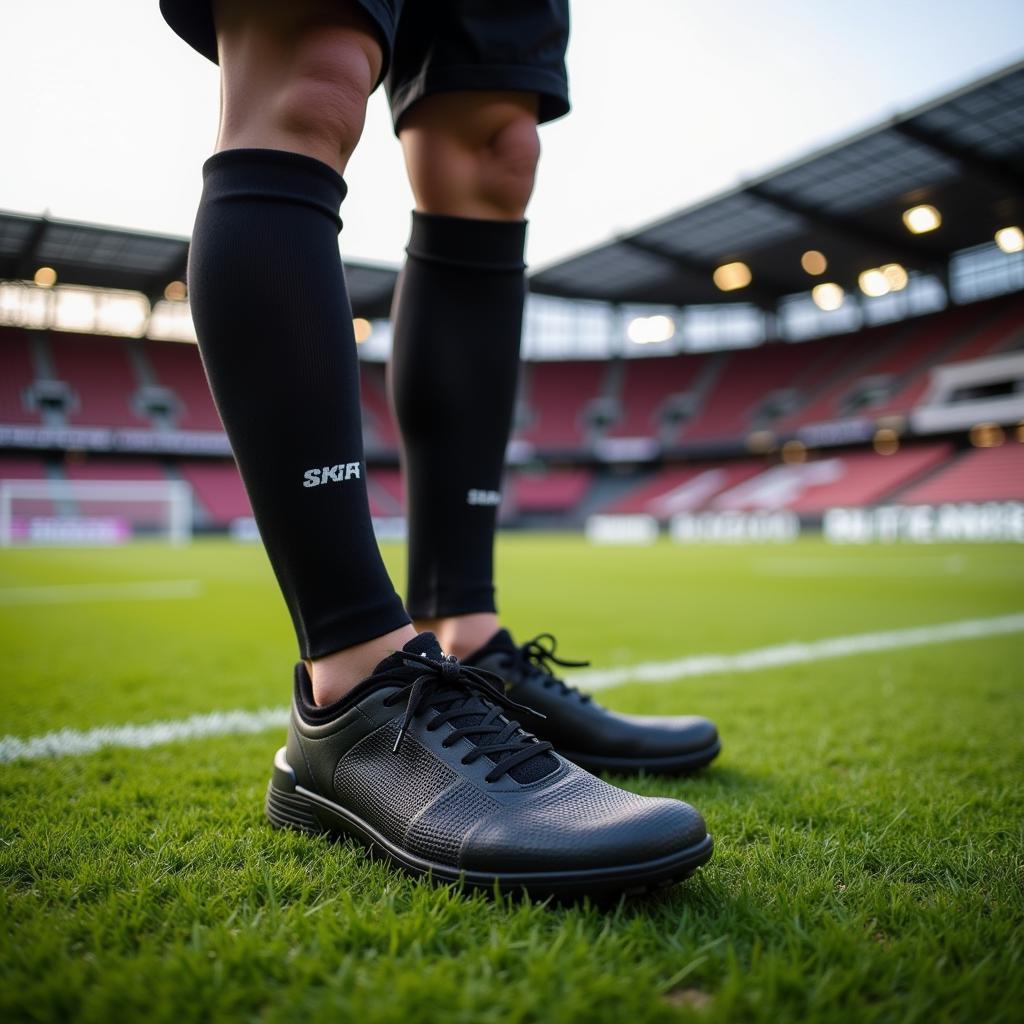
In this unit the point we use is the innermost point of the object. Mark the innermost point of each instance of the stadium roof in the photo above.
(104, 257)
(962, 154)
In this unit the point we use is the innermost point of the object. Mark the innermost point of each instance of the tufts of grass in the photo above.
(868, 812)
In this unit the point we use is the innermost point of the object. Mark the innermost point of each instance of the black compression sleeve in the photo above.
(457, 325)
(274, 324)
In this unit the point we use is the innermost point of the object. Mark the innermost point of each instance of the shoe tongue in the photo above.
(501, 641)
(423, 645)
(426, 645)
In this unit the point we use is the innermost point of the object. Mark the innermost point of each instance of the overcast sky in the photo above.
(108, 116)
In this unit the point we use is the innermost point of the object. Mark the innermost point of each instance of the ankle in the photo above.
(334, 675)
(462, 635)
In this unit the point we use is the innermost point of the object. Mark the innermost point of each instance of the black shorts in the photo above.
(443, 46)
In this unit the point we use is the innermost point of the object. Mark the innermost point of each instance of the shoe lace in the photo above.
(539, 655)
(458, 691)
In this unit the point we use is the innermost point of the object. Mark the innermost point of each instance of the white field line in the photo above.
(78, 593)
(68, 742)
(798, 653)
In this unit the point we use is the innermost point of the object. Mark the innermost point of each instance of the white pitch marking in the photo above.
(67, 742)
(77, 593)
(797, 653)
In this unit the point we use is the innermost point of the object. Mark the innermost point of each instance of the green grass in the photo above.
(868, 811)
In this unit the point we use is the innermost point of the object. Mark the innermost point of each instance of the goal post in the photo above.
(92, 512)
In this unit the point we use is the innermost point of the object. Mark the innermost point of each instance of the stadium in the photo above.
(783, 427)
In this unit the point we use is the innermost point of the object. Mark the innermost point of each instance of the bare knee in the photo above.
(295, 77)
(472, 154)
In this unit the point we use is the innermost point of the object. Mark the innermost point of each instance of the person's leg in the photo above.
(274, 323)
(471, 158)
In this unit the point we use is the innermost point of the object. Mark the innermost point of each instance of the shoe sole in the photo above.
(289, 805)
(681, 764)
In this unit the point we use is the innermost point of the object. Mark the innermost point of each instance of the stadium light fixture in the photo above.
(362, 328)
(896, 275)
(814, 262)
(828, 297)
(987, 435)
(921, 219)
(649, 330)
(45, 277)
(886, 441)
(794, 452)
(176, 291)
(873, 283)
(1010, 239)
(730, 277)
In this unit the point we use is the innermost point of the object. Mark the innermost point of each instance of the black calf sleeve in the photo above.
(457, 324)
(275, 332)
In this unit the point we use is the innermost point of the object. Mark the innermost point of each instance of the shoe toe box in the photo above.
(667, 735)
(582, 823)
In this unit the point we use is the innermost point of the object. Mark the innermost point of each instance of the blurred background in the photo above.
(776, 287)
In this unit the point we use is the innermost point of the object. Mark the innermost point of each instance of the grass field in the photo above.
(868, 810)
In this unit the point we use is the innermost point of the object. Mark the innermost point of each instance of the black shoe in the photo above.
(580, 729)
(420, 764)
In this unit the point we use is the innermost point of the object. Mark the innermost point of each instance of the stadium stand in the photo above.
(22, 467)
(218, 488)
(16, 375)
(103, 467)
(746, 379)
(17, 467)
(647, 385)
(557, 490)
(178, 367)
(686, 489)
(378, 426)
(653, 434)
(850, 479)
(386, 490)
(982, 474)
(101, 379)
(557, 396)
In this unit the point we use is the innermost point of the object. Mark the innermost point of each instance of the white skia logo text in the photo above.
(478, 497)
(331, 474)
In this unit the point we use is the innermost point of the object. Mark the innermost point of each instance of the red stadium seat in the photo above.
(982, 474)
(177, 366)
(16, 374)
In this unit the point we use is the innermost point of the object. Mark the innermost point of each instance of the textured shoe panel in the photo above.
(387, 789)
(582, 823)
(438, 832)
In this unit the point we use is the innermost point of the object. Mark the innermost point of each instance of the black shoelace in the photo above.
(539, 656)
(457, 691)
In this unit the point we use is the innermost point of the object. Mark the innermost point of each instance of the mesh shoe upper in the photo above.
(418, 776)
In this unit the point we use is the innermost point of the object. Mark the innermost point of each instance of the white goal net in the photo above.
(91, 512)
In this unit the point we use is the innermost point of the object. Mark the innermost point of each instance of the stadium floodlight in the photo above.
(814, 262)
(94, 512)
(987, 435)
(828, 297)
(921, 219)
(1010, 239)
(886, 441)
(873, 283)
(122, 314)
(895, 275)
(176, 291)
(649, 330)
(45, 277)
(362, 329)
(730, 277)
(794, 452)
